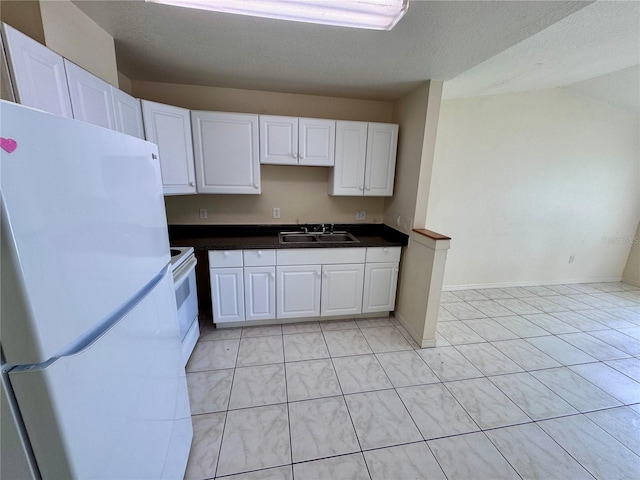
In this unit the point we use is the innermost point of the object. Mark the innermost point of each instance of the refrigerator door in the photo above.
(118, 409)
(83, 228)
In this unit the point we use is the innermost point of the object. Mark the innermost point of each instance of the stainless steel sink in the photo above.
(328, 237)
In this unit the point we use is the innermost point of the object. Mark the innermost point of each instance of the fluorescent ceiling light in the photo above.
(371, 14)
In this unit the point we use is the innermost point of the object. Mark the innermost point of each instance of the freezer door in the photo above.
(117, 409)
(83, 228)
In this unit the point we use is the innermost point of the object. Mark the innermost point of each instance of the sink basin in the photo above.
(333, 237)
(337, 237)
(297, 238)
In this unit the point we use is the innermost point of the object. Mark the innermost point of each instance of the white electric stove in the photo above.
(183, 265)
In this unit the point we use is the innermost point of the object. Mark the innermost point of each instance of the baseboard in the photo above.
(533, 283)
(635, 283)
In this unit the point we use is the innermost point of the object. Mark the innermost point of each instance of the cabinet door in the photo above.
(380, 282)
(382, 143)
(278, 140)
(6, 88)
(227, 294)
(91, 99)
(298, 291)
(342, 289)
(347, 176)
(317, 139)
(39, 78)
(128, 113)
(169, 127)
(260, 293)
(226, 152)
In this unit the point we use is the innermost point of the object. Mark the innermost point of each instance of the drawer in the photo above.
(383, 254)
(320, 256)
(259, 258)
(225, 258)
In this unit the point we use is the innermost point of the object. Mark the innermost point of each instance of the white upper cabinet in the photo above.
(6, 88)
(347, 176)
(226, 152)
(278, 140)
(128, 113)
(382, 145)
(316, 142)
(91, 98)
(297, 141)
(169, 127)
(39, 77)
(365, 159)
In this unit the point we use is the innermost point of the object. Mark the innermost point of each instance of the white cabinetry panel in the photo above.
(382, 144)
(226, 152)
(317, 142)
(365, 159)
(278, 140)
(169, 127)
(298, 291)
(380, 282)
(39, 77)
(260, 293)
(342, 289)
(297, 141)
(227, 294)
(91, 99)
(128, 113)
(347, 176)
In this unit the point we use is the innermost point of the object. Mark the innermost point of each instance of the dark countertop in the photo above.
(237, 237)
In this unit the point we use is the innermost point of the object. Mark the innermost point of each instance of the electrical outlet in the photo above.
(276, 212)
(361, 215)
(203, 213)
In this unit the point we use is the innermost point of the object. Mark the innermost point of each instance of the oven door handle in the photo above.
(183, 271)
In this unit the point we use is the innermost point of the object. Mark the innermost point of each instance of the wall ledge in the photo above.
(432, 235)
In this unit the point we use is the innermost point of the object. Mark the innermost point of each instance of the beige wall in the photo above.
(299, 192)
(423, 259)
(25, 16)
(521, 182)
(72, 34)
(417, 114)
(631, 273)
(197, 97)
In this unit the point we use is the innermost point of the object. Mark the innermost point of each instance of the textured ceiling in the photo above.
(597, 41)
(435, 40)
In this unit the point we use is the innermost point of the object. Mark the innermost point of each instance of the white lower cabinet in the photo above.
(342, 289)
(298, 291)
(380, 282)
(227, 294)
(260, 293)
(298, 283)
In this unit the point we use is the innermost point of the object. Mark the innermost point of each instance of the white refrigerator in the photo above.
(92, 380)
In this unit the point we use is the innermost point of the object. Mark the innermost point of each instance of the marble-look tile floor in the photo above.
(525, 382)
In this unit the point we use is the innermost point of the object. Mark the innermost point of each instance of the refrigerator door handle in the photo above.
(102, 329)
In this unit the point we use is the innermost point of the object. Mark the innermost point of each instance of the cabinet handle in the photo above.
(225, 254)
(294, 155)
(192, 184)
(319, 274)
(259, 253)
(301, 157)
(325, 274)
(361, 187)
(368, 187)
(385, 249)
(255, 185)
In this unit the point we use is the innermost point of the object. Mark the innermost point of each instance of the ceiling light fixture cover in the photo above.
(370, 14)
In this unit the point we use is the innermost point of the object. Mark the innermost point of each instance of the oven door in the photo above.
(184, 278)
